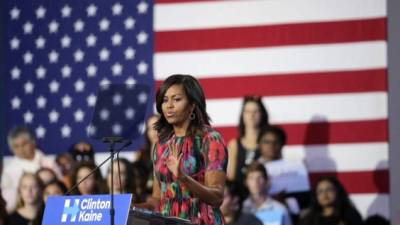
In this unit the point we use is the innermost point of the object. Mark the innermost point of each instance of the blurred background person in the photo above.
(29, 201)
(3, 211)
(126, 175)
(46, 175)
(65, 163)
(55, 187)
(145, 153)
(231, 207)
(94, 184)
(289, 182)
(242, 150)
(330, 205)
(82, 152)
(259, 203)
(27, 158)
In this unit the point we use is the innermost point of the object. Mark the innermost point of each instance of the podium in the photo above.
(95, 210)
(139, 216)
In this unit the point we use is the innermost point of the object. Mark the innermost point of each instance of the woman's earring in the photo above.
(192, 116)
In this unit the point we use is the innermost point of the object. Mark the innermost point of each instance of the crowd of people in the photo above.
(251, 193)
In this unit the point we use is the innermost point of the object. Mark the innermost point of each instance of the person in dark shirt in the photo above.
(29, 201)
(330, 205)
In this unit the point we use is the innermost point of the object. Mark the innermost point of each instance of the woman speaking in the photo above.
(190, 158)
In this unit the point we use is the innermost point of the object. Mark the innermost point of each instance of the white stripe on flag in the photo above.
(340, 157)
(305, 108)
(204, 15)
(371, 204)
(273, 60)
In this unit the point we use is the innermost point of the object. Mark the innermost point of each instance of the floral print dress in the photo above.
(200, 153)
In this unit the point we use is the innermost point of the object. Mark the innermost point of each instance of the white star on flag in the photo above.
(91, 10)
(54, 86)
(15, 102)
(14, 43)
(66, 101)
(66, 11)
(40, 12)
(28, 117)
(40, 42)
(65, 131)
(53, 116)
(40, 132)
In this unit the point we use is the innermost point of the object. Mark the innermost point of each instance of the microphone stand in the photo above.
(112, 141)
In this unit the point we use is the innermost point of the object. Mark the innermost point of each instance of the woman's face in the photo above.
(151, 132)
(29, 190)
(88, 185)
(270, 147)
(326, 193)
(117, 187)
(251, 114)
(175, 107)
(52, 189)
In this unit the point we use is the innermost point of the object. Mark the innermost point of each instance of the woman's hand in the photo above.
(174, 161)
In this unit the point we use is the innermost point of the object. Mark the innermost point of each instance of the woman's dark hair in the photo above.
(129, 175)
(195, 96)
(59, 184)
(99, 186)
(82, 156)
(341, 205)
(275, 130)
(264, 121)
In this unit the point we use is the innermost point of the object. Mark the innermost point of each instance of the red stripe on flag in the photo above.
(271, 35)
(359, 182)
(327, 132)
(305, 83)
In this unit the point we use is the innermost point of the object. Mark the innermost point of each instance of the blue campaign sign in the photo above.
(86, 210)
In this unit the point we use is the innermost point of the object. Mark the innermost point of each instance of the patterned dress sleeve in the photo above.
(216, 154)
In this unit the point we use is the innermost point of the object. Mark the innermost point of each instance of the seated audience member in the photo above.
(259, 203)
(93, 184)
(27, 158)
(231, 208)
(3, 211)
(82, 152)
(289, 178)
(29, 201)
(376, 220)
(46, 175)
(330, 205)
(126, 171)
(55, 187)
(65, 163)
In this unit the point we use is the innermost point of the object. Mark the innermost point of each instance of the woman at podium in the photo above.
(190, 158)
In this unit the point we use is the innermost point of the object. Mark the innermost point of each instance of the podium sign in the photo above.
(86, 210)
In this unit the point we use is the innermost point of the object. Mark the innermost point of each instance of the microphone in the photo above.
(127, 143)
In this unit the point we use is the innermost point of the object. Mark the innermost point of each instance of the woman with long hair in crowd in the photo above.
(243, 149)
(29, 201)
(330, 205)
(190, 157)
(94, 184)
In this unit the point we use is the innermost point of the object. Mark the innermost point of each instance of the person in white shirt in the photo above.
(259, 203)
(26, 159)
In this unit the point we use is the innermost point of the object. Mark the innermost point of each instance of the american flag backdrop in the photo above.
(320, 65)
(58, 55)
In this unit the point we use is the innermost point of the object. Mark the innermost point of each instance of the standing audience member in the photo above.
(29, 201)
(289, 181)
(330, 205)
(82, 152)
(140, 180)
(126, 174)
(270, 141)
(145, 154)
(259, 203)
(242, 150)
(65, 162)
(93, 184)
(231, 207)
(27, 158)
